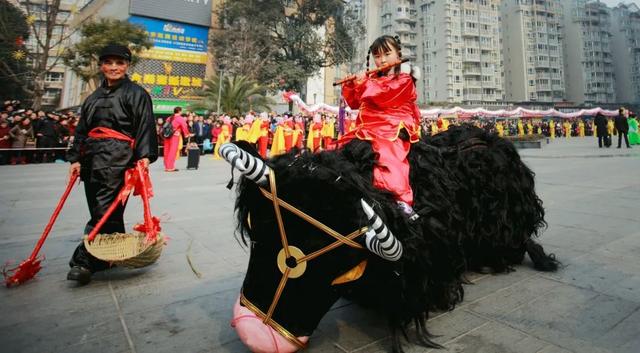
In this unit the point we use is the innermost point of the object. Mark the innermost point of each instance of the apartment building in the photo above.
(399, 17)
(532, 50)
(460, 51)
(589, 65)
(626, 52)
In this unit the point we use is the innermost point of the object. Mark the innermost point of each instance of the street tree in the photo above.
(282, 43)
(14, 31)
(82, 57)
(238, 94)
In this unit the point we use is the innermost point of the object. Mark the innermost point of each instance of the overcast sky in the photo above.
(613, 3)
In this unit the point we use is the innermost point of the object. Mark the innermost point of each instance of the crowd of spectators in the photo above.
(34, 136)
(29, 136)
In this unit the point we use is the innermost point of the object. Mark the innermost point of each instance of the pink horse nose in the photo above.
(258, 337)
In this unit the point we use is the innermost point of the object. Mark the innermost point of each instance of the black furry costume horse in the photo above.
(478, 211)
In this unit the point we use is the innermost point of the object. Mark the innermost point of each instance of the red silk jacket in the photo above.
(386, 105)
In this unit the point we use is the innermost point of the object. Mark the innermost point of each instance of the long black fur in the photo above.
(477, 204)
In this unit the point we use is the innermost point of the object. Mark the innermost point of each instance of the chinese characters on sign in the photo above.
(164, 79)
(176, 64)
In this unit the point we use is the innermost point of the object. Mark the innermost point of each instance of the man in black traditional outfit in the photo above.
(116, 129)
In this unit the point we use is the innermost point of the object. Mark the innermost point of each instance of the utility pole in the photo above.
(221, 69)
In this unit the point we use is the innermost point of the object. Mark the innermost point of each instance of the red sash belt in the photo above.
(106, 133)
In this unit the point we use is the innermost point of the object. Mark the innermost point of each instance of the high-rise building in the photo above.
(626, 52)
(589, 66)
(367, 12)
(399, 18)
(460, 52)
(532, 50)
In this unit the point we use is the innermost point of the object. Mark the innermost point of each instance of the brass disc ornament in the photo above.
(296, 270)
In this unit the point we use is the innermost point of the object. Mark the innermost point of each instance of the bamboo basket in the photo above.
(126, 249)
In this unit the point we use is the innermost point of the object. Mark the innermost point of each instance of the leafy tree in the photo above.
(282, 43)
(14, 72)
(82, 57)
(240, 94)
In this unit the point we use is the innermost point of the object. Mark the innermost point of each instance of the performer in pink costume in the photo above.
(171, 143)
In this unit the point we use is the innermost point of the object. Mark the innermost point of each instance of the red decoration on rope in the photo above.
(286, 95)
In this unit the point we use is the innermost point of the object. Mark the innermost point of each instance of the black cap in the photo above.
(119, 51)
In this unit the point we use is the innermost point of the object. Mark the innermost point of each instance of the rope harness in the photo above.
(292, 262)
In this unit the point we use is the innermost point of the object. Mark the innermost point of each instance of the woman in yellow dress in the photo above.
(223, 137)
(520, 128)
(567, 128)
(500, 129)
(581, 128)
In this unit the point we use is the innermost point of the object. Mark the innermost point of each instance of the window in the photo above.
(51, 93)
(54, 77)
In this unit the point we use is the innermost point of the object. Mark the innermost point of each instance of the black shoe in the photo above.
(79, 274)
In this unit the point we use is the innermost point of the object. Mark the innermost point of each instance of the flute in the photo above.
(371, 72)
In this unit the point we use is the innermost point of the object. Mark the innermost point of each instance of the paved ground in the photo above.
(593, 305)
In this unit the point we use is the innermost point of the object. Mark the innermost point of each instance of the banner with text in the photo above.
(175, 66)
(174, 41)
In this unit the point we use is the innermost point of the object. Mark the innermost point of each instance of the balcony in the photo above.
(472, 71)
(488, 32)
(542, 64)
(405, 17)
(543, 87)
(470, 57)
(486, 46)
(541, 9)
(473, 97)
(404, 28)
(470, 32)
(473, 84)
(488, 70)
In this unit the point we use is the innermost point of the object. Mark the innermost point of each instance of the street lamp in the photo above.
(221, 69)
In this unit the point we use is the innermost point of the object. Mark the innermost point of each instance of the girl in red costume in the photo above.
(388, 117)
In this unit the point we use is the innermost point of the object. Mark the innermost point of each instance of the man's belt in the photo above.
(106, 133)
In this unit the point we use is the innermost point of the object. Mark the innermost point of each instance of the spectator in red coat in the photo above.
(215, 132)
(5, 141)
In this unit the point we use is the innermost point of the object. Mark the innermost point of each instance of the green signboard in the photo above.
(165, 106)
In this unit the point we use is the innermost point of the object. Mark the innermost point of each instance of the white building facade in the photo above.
(626, 52)
(461, 54)
(589, 65)
(532, 50)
